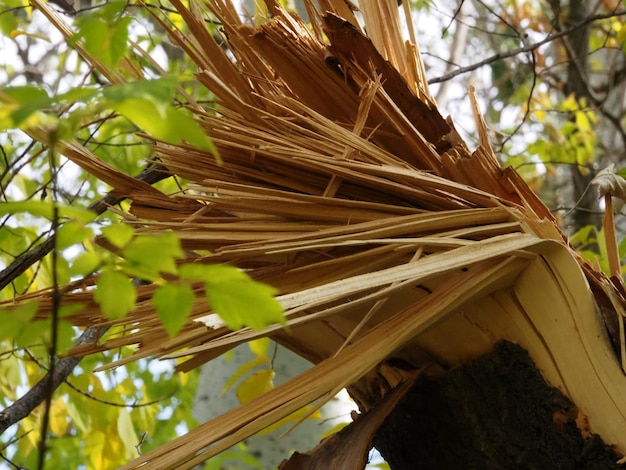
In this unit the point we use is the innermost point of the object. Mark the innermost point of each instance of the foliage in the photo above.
(590, 242)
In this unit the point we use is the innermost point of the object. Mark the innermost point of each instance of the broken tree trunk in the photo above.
(495, 412)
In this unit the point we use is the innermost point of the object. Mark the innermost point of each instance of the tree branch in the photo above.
(64, 367)
(150, 175)
(527, 48)
(36, 395)
(459, 40)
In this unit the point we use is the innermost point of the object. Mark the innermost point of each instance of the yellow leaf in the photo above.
(96, 384)
(31, 426)
(58, 417)
(335, 429)
(259, 347)
(621, 31)
(33, 372)
(582, 121)
(184, 379)
(127, 433)
(243, 370)
(113, 450)
(145, 419)
(126, 387)
(24, 446)
(9, 377)
(16, 32)
(255, 385)
(228, 355)
(570, 104)
(94, 448)
(105, 448)
(27, 8)
(261, 13)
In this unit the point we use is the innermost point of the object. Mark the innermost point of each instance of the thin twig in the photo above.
(527, 48)
(102, 400)
(23, 406)
(54, 315)
(533, 64)
(150, 175)
(11, 463)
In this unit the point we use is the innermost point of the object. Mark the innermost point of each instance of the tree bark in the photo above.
(496, 412)
(577, 82)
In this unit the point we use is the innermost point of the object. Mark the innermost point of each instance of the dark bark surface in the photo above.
(496, 412)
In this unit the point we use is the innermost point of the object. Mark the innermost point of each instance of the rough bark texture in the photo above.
(494, 413)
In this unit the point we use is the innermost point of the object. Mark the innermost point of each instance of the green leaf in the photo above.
(146, 103)
(211, 272)
(111, 10)
(23, 102)
(105, 34)
(184, 128)
(156, 253)
(173, 304)
(36, 332)
(85, 264)
(244, 303)
(67, 310)
(45, 209)
(8, 23)
(82, 94)
(259, 347)
(622, 248)
(158, 91)
(146, 113)
(72, 233)
(237, 298)
(80, 417)
(585, 236)
(16, 321)
(65, 331)
(25, 93)
(118, 234)
(115, 293)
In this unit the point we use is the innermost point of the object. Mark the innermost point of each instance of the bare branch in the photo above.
(150, 175)
(102, 400)
(526, 48)
(36, 395)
